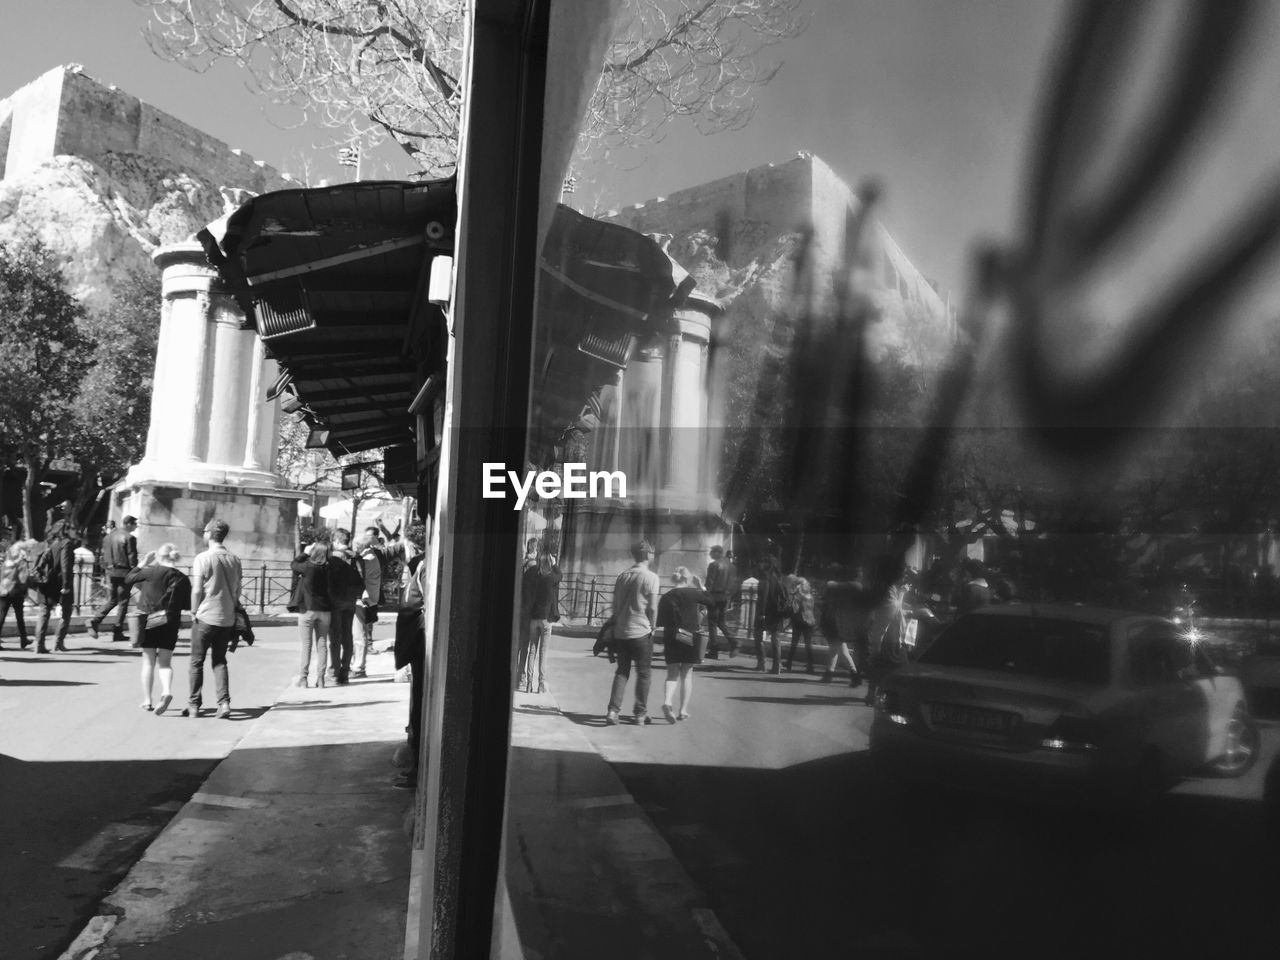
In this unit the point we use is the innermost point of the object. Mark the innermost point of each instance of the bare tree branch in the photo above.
(388, 68)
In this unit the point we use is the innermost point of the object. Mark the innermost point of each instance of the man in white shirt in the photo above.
(635, 604)
(215, 587)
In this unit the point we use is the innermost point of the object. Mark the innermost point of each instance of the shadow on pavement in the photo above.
(11, 682)
(811, 701)
(584, 719)
(328, 704)
(828, 859)
(69, 833)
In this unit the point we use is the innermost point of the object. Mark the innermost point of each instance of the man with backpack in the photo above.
(55, 581)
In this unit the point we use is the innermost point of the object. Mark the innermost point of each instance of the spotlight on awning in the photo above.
(318, 438)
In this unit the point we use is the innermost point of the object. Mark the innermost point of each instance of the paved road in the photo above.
(87, 778)
(767, 797)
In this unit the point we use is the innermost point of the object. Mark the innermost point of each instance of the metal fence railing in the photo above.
(590, 598)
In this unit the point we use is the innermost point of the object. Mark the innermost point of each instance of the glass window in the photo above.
(766, 347)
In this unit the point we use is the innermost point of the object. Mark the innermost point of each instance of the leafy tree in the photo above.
(391, 67)
(45, 353)
(112, 411)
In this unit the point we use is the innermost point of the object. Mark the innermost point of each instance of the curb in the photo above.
(90, 940)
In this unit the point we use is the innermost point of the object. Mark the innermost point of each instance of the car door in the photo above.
(1169, 710)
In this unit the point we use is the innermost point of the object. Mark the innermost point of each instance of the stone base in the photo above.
(263, 522)
(597, 542)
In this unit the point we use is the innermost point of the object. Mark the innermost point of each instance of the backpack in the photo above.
(346, 585)
(783, 606)
(9, 580)
(46, 571)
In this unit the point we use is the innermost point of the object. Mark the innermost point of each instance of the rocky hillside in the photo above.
(106, 217)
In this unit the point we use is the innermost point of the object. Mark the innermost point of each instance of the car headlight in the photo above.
(1071, 735)
(889, 706)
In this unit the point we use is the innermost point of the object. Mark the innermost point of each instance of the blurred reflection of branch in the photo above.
(1069, 237)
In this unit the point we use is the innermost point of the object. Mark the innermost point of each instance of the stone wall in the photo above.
(67, 112)
(736, 235)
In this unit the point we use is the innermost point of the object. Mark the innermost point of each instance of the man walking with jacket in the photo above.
(635, 606)
(57, 583)
(119, 556)
(721, 580)
(215, 585)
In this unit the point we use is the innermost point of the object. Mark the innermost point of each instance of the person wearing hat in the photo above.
(119, 556)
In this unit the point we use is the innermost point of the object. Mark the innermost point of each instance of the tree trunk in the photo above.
(29, 528)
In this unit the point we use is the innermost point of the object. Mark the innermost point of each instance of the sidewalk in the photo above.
(295, 847)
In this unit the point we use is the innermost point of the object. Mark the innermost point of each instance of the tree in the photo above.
(44, 354)
(382, 68)
(112, 410)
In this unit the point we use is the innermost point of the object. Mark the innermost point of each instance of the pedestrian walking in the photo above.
(722, 580)
(844, 622)
(366, 608)
(802, 618)
(683, 642)
(635, 607)
(346, 587)
(119, 556)
(887, 630)
(540, 608)
(163, 592)
(215, 589)
(15, 573)
(772, 612)
(55, 573)
(310, 601)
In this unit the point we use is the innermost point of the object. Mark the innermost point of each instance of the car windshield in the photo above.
(1034, 646)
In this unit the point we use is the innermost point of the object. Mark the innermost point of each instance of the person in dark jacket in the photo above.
(768, 619)
(540, 603)
(119, 556)
(344, 569)
(58, 587)
(846, 610)
(683, 642)
(311, 603)
(411, 652)
(164, 592)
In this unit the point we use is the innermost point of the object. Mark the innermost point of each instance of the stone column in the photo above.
(212, 439)
(210, 422)
(687, 418)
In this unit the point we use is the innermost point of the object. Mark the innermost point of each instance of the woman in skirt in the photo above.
(683, 642)
(164, 592)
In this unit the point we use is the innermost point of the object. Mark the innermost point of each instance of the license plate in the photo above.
(970, 718)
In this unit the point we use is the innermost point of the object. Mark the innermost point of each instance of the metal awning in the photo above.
(332, 279)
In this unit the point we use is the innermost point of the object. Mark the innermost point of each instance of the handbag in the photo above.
(158, 619)
(684, 636)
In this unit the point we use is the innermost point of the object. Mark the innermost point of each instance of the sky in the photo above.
(932, 97)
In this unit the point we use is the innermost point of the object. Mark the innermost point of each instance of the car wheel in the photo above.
(1243, 743)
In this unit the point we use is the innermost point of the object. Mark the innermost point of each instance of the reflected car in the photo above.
(1062, 702)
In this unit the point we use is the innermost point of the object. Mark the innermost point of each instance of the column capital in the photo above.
(693, 318)
(185, 270)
